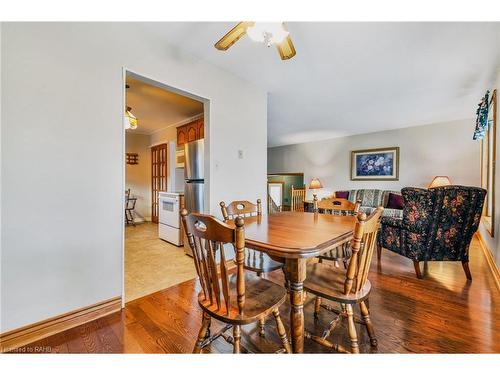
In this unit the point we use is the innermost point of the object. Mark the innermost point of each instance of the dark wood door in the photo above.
(158, 177)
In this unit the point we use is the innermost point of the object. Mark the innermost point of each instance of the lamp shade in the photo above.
(315, 184)
(439, 181)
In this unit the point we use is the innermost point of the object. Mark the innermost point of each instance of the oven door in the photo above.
(169, 211)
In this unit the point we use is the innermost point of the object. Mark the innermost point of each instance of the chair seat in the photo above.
(326, 281)
(257, 261)
(261, 298)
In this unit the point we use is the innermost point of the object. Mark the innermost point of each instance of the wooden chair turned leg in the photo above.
(351, 328)
(262, 327)
(205, 324)
(237, 339)
(282, 331)
(369, 325)
(465, 265)
(417, 269)
(317, 307)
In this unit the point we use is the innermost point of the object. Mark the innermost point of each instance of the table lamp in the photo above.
(438, 181)
(314, 185)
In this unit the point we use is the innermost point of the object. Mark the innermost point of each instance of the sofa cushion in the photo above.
(369, 197)
(395, 201)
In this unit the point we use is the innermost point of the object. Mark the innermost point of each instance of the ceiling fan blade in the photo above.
(286, 48)
(233, 36)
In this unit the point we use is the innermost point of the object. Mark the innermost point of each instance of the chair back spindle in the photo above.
(207, 236)
(362, 246)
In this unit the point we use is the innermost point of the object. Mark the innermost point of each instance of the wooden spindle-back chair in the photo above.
(237, 299)
(297, 196)
(255, 260)
(341, 207)
(347, 287)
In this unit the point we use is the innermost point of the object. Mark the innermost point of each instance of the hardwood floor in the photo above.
(443, 313)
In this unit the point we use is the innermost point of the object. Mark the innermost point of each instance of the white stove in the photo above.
(169, 226)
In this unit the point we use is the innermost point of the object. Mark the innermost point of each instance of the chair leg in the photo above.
(282, 331)
(351, 328)
(207, 334)
(262, 327)
(317, 307)
(465, 266)
(369, 325)
(237, 339)
(205, 323)
(416, 264)
(379, 251)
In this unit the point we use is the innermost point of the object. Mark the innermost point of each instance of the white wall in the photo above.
(425, 151)
(138, 176)
(493, 243)
(62, 162)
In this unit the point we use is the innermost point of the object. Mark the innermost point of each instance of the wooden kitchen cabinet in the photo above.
(190, 132)
(201, 129)
(181, 135)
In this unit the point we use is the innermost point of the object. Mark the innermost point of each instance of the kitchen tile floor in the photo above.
(152, 264)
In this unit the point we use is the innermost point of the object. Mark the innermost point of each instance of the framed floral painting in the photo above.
(375, 164)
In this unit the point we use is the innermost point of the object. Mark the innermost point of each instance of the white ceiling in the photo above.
(351, 78)
(156, 108)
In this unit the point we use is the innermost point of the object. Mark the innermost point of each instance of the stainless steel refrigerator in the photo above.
(194, 187)
(194, 176)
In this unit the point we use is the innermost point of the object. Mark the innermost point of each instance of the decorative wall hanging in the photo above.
(132, 158)
(375, 164)
(482, 117)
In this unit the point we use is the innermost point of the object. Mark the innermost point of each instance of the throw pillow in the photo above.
(342, 194)
(395, 201)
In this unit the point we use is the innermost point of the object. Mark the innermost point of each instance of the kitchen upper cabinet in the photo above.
(181, 135)
(201, 129)
(190, 132)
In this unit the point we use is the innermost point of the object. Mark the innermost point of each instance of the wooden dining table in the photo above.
(293, 238)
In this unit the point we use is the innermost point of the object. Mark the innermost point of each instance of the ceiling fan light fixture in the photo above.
(267, 32)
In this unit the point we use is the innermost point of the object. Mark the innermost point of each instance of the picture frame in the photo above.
(377, 164)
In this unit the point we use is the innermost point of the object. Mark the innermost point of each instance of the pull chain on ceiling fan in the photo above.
(268, 33)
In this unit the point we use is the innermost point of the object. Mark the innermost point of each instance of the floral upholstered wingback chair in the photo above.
(437, 224)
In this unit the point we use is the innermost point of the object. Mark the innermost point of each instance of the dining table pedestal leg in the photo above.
(296, 269)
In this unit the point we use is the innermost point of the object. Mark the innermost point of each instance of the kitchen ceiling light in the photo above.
(129, 120)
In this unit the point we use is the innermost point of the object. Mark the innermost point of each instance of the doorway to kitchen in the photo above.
(158, 121)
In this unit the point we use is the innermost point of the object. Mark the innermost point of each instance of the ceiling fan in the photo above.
(268, 33)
